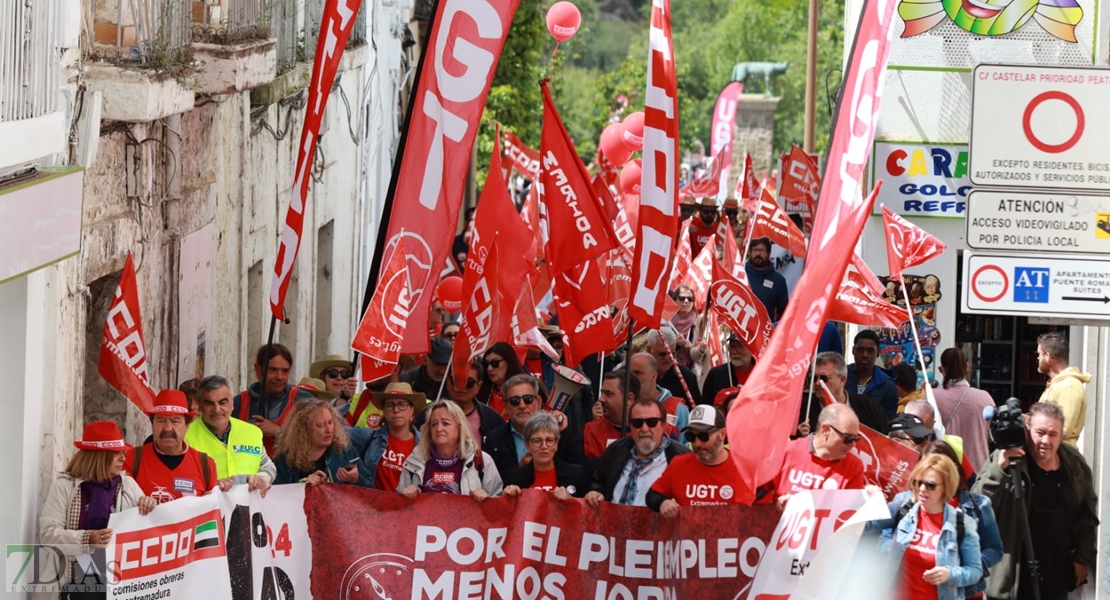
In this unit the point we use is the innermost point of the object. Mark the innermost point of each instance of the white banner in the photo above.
(198, 548)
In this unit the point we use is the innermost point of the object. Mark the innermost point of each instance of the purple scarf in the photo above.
(442, 475)
(96, 502)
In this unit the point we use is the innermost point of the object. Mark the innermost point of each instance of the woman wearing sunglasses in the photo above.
(446, 460)
(500, 363)
(934, 548)
(545, 472)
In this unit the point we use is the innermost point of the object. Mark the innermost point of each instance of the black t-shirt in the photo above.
(1052, 508)
(322, 465)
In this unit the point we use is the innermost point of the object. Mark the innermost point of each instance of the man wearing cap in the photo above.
(910, 431)
(822, 460)
(236, 446)
(705, 477)
(704, 226)
(428, 378)
(768, 286)
(391, 445)
(924, 412)
(687, 206)
(734, 373)
(167, 468)
(335, 371)
(268, 402)
(646, 369)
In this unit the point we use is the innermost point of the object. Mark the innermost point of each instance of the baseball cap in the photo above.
(440, 353)
(704, 418)
(910, 425)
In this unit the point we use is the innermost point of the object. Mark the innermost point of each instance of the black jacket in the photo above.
(611, 464)
(716, 379)
(500, 445)
(870, 413)
(670, 381)
(567, 475)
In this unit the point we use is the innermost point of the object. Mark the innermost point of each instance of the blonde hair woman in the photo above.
(445, 460)
(314, 448)
(84, 495)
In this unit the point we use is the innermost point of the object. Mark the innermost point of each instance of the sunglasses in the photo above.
(396, 406)
(450, 336)
(340, 373)
(494, 363)
(929, 485)
(527, 399)
(698, 435)
(708, 211)
(847, 437)
(651, 422)
(824, 378)
(732, 213)
(685, 298)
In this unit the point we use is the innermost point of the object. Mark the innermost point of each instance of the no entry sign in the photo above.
(1040, 127)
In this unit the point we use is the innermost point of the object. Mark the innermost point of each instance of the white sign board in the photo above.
(1040, 127)
(1038, 222)
(921, 180)
(1014, 284)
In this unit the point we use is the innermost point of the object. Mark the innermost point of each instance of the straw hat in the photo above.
(316, 388)
(402, 391)
(316, 369)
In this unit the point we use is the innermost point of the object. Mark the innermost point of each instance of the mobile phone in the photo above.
(352, 462)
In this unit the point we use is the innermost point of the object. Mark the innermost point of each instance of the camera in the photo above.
(1007, 425)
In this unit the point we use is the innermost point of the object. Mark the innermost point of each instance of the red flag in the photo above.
(709, 184)
(464, 45)
(581, 302)
(860, 300)
(747, 186)
(338, 21)
(651, 268)
(741, 310)
(577, 230)
(716, 348)
(700, 273)
(907, 245)
(801, 181)
(618, 278)
(521, 157)
(480, 314)
(123, 352)
(733, 259)
(682, 258)
(772, 222)
(724, 120)
(382, 329)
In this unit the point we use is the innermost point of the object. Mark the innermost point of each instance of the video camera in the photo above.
(1007, 424)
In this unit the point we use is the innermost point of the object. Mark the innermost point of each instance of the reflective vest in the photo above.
(242, 455)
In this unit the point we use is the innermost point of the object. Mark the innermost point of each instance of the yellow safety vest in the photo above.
(242, 455)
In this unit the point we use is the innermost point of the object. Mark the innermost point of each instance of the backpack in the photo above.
(205, 472)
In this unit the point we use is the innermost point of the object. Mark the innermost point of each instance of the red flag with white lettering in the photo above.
(720, 136)
(481, 313)
(464, 45)
(123, 355)
(578, 230)
(338, 20)
(382, 329)
(733, 259)
(709, 184)
(859, 299)
(907, 245)
(741, 310)
(651, 268)
(747, 186)
(772, 222)
(618, 279)
(700, 273)
(801, 182)
(522, 158)
(683, 256)
(582, 306)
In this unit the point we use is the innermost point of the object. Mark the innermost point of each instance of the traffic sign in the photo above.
(1038, 222)
(1070, 287)
(1040, 127)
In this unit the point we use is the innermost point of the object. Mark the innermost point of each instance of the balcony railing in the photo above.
(29, 61)
(153, 32)
(230, 21)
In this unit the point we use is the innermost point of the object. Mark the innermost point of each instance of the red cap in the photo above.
(102, 435)
(171, 403)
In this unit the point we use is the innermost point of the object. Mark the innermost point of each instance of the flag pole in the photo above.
(627, 377)
(681, 379)
(938, 424)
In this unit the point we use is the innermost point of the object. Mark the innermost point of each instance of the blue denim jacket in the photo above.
(375, 449)
(964, 561)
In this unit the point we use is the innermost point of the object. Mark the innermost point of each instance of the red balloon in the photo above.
(630, 178)
(613, 145)
(449, 293)
(563, 20)
(634, 130)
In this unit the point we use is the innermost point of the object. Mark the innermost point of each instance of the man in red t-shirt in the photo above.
(703, 227)
(706, 477)
(822, 460)
(166, 468)
(389, 446)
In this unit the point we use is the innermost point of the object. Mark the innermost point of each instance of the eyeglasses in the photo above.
(396, 406)
(929, 485)
(685, 298)
(541, 442)
(651, 422)
(340, 373)
(847, 437)
(698, 435)
(527, 399)
(494, 363)
(824, 378)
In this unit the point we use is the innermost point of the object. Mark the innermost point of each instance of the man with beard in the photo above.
(172, 469)
(604, 430)
(769, 286)
(730, 375)
(630, 465)
(703, 227)
(705, 478)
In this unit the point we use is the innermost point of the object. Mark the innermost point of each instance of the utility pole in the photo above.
(811, 79)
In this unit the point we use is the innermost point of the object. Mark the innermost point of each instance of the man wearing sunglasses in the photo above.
(705, 477)
(822, 460)
(481, 418)
(704, 226)
(335, 371)
(506, 443)
(831, 372)
(658, 340)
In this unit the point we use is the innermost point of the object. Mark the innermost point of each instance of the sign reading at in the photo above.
(1032, 222)
(1040, 127)
(1069, 287)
